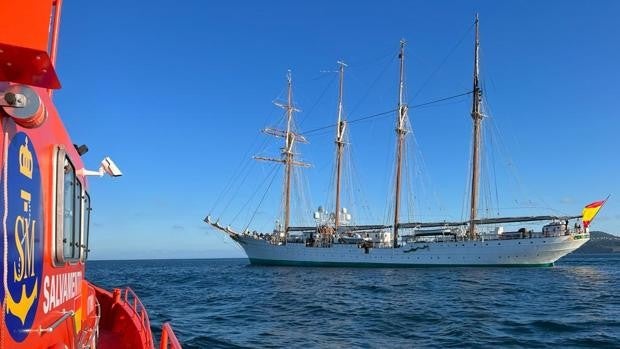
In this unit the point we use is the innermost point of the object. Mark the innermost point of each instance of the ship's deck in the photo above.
(124, 323)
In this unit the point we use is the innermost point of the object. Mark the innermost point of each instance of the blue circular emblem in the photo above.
(22, 243)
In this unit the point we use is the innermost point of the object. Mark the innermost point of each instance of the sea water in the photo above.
(228, 303)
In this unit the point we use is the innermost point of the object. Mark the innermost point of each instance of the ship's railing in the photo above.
(525, 235)
(168, 338)
(130, 297)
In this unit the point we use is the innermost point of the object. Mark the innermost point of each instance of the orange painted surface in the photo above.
(120, 327)
(43, 139)
(25, 23)
(46, 303)
(26, 36)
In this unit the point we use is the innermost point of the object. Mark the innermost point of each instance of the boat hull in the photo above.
(504, 253)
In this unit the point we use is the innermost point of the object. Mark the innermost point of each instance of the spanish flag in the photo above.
(590, 211)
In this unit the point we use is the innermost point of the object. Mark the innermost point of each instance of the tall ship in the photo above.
(333, 241)
(46, 300)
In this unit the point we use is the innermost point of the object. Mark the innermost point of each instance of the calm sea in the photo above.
(230, 304)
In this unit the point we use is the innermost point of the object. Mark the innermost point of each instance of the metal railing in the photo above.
(130, 297)
(168, 338)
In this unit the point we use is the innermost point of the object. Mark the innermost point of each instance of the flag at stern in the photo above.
(590, 211)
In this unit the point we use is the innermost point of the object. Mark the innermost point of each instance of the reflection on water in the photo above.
(586, 273)
(590, 272)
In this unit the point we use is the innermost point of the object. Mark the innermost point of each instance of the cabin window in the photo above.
(69, 206)
(77, 221)
(68, 210)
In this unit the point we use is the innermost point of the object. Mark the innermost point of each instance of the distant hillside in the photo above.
(601, 242)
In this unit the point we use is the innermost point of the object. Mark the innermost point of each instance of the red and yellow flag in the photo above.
(590, 211)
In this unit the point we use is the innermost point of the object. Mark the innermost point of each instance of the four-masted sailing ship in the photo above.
(333, 242)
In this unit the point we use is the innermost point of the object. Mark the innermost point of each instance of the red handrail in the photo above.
(139, 309)
(168, 338)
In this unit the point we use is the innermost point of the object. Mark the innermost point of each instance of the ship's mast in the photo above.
(477, 119)
(340, 128)
(401, 131)
(288, 156)
(287, 153)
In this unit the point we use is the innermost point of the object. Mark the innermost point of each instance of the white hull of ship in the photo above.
(517, 252)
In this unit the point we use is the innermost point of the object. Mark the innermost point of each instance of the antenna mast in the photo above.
(477, 118)
(401, 131)
(340, 128)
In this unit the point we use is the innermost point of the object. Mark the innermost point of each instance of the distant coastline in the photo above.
(601, 242)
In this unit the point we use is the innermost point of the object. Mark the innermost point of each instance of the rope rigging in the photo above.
(443, 62)
(364, 118)
(270, 174)
(259, 203)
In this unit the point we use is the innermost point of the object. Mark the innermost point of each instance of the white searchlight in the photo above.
(107, 166)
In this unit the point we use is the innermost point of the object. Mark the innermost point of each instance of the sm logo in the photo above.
(23, 236)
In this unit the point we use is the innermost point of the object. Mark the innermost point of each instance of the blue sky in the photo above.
(176, 93)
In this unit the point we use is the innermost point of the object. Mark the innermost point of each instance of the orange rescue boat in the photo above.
(46, 302)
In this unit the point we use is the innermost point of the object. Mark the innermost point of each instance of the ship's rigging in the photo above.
(336, 240)
(291, 137)
(288, 155)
